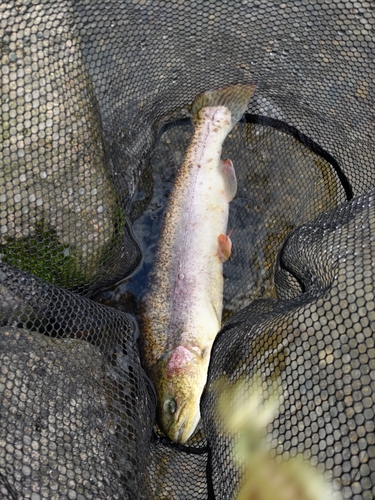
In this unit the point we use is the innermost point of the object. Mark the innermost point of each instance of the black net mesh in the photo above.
(314, 350)
(77, 410)
(94, 124)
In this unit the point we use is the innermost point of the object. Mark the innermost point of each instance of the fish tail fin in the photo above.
(235, 97)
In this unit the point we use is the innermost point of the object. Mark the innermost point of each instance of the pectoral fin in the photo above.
(225, 247)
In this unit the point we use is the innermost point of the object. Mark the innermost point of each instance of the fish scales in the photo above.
(182, 309)
(188, 240)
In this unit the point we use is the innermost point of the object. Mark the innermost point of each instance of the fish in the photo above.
(181, 311)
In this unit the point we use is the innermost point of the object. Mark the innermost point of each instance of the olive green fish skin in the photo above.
(182, 310)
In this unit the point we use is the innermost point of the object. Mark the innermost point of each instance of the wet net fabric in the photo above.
(94, 123)
(314, 350)
(76, 408)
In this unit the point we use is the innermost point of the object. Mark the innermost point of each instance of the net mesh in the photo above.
(94, 124)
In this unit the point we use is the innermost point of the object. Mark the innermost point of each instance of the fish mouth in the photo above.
(179, 435)
(180, 431)
(177, 429)
(183, 434)
(177, 417)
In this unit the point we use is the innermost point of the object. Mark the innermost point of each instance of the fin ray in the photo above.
(235, 97)
(225, 247)
(229, 178)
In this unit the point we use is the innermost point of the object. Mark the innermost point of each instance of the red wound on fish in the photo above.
(225, 247)
(178, 360)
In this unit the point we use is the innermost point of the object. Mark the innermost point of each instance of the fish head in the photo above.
(179, 379)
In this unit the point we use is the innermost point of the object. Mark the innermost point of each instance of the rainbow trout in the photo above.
(181, 313)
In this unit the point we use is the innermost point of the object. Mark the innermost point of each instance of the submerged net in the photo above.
(94, 123)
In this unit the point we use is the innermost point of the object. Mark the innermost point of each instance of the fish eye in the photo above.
(170, 406)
